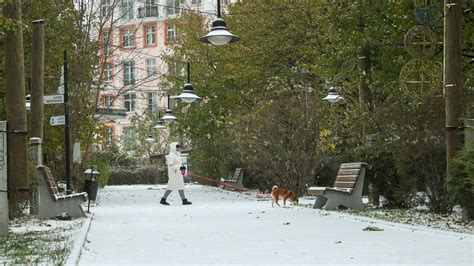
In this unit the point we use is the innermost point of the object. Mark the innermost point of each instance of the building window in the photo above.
(128, 38)
(108, 136)
(104, 7)
(128, 73)
(129, 137)
(172, 7)
(151, 67)
(106, 42)
(108, 101)
(172, 33)
(127, 9)
(152, 102)
(174, 69)
(108, 72)
(195, 2)
(150, 32)
(129, 102)
(150, 10)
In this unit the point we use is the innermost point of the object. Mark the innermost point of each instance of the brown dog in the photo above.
(280, 193)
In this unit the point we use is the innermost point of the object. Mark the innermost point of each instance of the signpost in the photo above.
(3, 180)
(62, 98)
(61, 81)
(53, 99)
(66, 128)
(57, 120)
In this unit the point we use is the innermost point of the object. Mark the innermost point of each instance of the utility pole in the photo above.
(16, 110)
(452, 78)
(37, 79)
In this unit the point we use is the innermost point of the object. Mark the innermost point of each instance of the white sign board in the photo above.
(76, 152)
(3, 180)
(57, 120)
(61, 81)
(53, 99)
(61, 89)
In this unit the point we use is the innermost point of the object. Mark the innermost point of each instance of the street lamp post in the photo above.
(150, 138)
(333, 96)
(168, 116)
(159, 126)
(188, 95)
(219, 35)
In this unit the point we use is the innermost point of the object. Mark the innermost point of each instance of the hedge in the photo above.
(142, 175)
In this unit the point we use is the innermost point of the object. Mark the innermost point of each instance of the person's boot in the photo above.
(163, 201)
(186, 202)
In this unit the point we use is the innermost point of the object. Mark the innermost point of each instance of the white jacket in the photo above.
(173, 161)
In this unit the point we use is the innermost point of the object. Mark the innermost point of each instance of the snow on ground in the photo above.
(37, 225)
(129, 226)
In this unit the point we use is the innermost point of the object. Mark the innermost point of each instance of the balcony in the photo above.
(110, 113)
(147, 12)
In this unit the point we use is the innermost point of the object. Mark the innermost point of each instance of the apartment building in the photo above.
(133, 38)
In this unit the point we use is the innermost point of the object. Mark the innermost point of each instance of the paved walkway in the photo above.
(130, 226)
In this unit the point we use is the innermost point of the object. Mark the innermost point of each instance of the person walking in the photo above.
(175, 180)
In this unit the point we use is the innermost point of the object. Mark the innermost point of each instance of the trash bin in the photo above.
(91, 187)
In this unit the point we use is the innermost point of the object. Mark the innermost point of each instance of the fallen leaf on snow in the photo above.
(372, 228)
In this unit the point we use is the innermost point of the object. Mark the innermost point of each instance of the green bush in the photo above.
(461, 181)
(143, 175)
(421, 166)
(383, 174)
(104, 161)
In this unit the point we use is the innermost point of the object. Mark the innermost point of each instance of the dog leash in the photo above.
(219, 182)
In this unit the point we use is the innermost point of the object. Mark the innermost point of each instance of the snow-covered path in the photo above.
(131, 227)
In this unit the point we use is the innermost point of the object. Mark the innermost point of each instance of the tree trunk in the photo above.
(16, 110)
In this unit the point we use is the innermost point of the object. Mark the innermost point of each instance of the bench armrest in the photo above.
(229, 180)
(341, 190)
(82, 195)
(317, 191)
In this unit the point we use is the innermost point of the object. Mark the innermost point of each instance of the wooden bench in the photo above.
(234, 181)
(347, 190)
(51, 202)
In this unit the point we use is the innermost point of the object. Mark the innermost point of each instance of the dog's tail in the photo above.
(274, 187)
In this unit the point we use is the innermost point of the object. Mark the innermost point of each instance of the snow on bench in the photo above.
(51, 202)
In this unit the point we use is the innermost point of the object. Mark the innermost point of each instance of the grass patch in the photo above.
(50, 246)
(412, 217)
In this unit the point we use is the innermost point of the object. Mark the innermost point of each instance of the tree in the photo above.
(15, 110)
(252, 88)
(143, 129)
